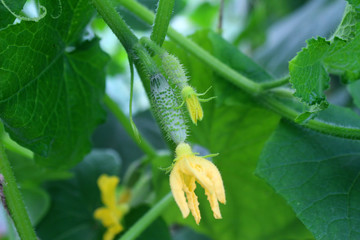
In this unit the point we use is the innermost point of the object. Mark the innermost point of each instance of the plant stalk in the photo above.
(16, 148)
(276, 83)
(13, 198)
(107, 11)
(315, 124)
(148, 218)
(162, 20)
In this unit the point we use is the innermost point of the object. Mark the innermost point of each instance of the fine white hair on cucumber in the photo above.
(167, 109)
(171, 65)
(174, 70)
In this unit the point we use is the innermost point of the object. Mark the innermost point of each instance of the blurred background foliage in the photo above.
(271, 32)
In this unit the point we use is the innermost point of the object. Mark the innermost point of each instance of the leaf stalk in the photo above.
(162, 20)
(147, 218)
(107, 11)
(14, 198)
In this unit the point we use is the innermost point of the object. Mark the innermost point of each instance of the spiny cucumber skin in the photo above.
(174, 70)
(166, 108)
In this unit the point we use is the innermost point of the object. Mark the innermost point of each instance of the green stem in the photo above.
(222, 69)
(139, 10)
(114, 108)
(283, 92)
(315, 124)
(16, 148)
(275, 83)
(107, 11)
(14, 199)
(147, 63)
(162, 20)
(148, 218)
(153, 48)
(239, 80)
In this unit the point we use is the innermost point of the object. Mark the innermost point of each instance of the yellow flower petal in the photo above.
(187, 170)
(194, 107)
(192, 103)
(214, 204)
(193, 202)
(214, 176)
(107, 187)
(177, 185)
(112, 213)
(106, 216)
(193, 166)
(112, 231)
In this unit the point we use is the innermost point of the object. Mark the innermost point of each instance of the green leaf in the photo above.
(28, 172)
(354, 89)
(227, 92)
(186, 233)
(255, 27)
(205, 14)
(310, 69)
(50, 91)
(349, 25)
(81, 13)
(308, 75)
(6, 17)
(37, 202)
(318, 175)
(74, 201)
(311, 112)
(354, 3)
(236, 129)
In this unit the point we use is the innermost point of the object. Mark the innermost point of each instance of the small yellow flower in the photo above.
(112, 213)
(192, 103)
(189, 168)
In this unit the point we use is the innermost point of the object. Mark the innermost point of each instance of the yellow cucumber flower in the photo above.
(192, 103)
(189, 168)
(113, 212)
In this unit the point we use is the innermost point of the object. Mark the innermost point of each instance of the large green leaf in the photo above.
(310, 69)
(186, 233)
(74, 201)
(50, 91)
(349, 25)
(6, 17)
(318, 175)
(28, 172)
(355, 3)
(37, 202)
(354, 89)
(205, 14)
(237, 128)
